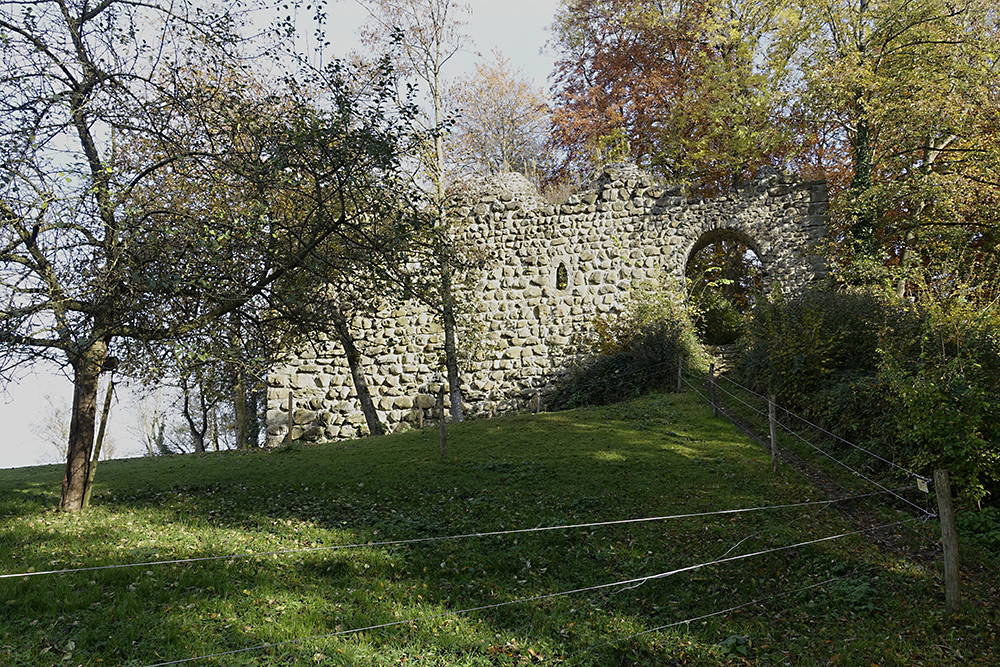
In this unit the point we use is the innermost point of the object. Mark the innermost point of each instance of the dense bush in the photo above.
(920, 384)
(635, 351)
(719, 322)
(982, 527)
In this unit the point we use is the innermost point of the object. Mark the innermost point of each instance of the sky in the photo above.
(516, 28)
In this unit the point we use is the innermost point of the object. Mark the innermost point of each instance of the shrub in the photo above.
(635, 351)
(920, 383)
(982, 527)
(719, 322)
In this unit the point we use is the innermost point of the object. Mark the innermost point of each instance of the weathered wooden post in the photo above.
(680, 370)
(711, 389)
(949, 541)
(773, 421)
(291, 417)
(444, 435)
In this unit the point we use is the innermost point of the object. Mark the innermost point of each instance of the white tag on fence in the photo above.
(922, 485)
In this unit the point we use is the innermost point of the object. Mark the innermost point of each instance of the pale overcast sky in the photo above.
(517, 28)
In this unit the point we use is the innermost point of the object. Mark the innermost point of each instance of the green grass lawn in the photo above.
(266, 524)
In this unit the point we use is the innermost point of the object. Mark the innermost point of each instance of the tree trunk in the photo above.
(97, 445)
(240, 407)
(239, 384)
(863, 225)
(343, 331)
(86, 371)
(451, 346)
(197, 435)
(253, 418)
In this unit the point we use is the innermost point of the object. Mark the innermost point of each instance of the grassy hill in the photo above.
(372, 552)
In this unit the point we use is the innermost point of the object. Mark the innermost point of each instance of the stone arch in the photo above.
(721, 234)
(724, 234)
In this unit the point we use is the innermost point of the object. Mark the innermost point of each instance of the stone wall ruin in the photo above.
(554, 268)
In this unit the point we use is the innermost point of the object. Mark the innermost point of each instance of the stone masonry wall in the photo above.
(624, 231)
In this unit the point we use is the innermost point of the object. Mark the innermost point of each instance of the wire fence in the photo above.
(624, 585)
(418, 540)
(752, 407)
(749, 408)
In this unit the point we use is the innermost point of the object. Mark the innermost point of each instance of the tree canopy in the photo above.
(153, 183)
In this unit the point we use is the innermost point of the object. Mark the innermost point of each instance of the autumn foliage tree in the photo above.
(694, 88)
(501, 124)
(909, 88)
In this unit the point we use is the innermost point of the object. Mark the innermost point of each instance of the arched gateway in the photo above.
(553, 268)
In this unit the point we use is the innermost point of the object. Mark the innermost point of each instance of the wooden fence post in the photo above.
(711, 389)
(773, 422)
(680, 369)
(291, 416)
(444, 435)
(949, 540)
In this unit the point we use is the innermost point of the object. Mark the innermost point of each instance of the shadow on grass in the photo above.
(653, 457)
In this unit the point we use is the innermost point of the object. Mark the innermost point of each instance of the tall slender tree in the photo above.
(501, 124)
(427, 35)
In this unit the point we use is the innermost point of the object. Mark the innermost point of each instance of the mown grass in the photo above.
(843, 601)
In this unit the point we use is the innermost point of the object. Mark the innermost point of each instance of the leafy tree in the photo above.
(99, 258)
(426, 35)
(909, 88)
(501, 124)
(696, 88)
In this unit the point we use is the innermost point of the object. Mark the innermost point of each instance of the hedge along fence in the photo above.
(918, 384)
(761, 412)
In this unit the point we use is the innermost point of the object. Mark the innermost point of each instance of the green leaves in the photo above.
(917, 382)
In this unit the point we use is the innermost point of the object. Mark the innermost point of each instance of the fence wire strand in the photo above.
(424, 540)
(633, 583)
(789, 430)
(823, 430)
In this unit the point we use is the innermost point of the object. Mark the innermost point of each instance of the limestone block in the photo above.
(303, 416)
(355, 418)
(313, 433)
(402, 403)
(278, 395)
(277, 380)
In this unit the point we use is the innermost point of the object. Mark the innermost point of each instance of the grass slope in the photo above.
(840, 601)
